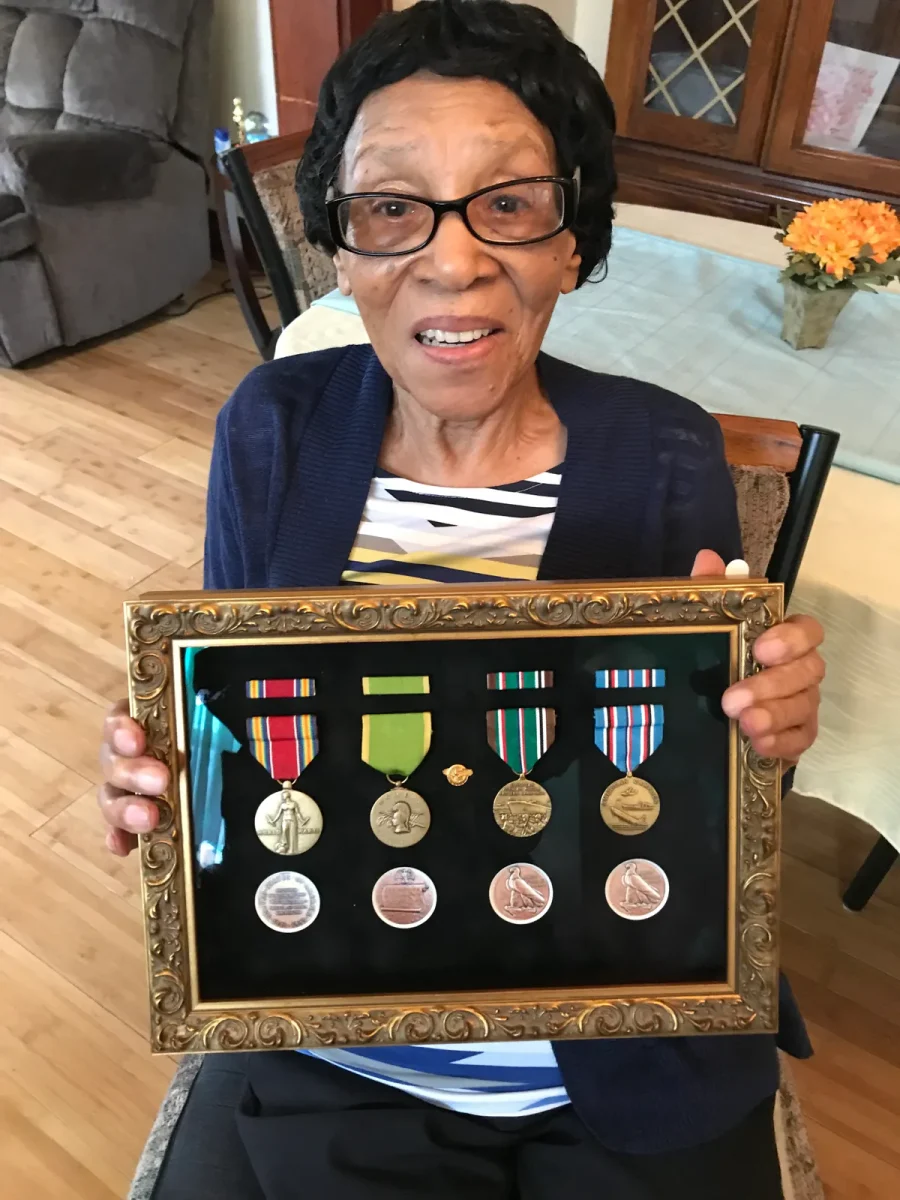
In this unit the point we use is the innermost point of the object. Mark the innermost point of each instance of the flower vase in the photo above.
(809, 315)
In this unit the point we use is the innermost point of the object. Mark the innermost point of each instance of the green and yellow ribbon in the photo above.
(396, 743)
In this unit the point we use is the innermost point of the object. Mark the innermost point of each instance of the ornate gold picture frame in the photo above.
(161, 627)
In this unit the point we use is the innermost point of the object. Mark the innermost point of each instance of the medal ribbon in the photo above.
(285, 746)
(637, 679)
(628, 735)
(505, 681)
(521, 735)
(396, 743)
(278, 689)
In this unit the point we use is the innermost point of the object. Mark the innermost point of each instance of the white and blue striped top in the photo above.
(410, 533)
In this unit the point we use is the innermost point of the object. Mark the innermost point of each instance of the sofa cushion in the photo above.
(37, 60)
(123, 76)
(90, 167)
(17, 227)
(168, 19)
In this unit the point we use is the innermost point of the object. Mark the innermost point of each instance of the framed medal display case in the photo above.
(426, 816)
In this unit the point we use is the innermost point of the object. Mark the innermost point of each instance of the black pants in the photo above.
(286, 1127)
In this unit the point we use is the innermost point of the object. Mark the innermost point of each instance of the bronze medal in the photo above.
(629, 805)
(404, 897)
(521, 893)
(288, 822)
(522, 808)
(637, 889)
(400, 817)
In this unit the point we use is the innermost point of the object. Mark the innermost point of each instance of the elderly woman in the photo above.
(460, 171)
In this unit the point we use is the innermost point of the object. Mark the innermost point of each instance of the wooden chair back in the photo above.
(261, 194)
(779, 471)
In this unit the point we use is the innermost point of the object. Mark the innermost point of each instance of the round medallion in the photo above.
(288, 822)
(521, 893)
(404, 897)
(522, 808)
(400, 817)
(629, 805)
(637, 889)
(287, 902)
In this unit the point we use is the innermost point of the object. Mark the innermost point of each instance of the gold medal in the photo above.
(400, 817)
(288, 822)
(629, 805)
(522, 808)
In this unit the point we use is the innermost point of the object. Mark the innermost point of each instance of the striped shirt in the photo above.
(417, 533)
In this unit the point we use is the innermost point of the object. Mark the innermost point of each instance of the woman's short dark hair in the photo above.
(517, 45)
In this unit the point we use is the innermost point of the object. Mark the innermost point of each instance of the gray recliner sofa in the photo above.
(104, 125)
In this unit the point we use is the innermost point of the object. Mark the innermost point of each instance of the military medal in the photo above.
(521, 893)
(395, 744)
(287, 822)
(628, 735)
(637, 889)
(404, 897)
(520, 736)
(287, 902)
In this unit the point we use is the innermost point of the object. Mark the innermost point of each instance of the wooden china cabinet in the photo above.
(734, 107)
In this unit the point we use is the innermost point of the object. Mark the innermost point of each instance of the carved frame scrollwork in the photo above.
(157, 625)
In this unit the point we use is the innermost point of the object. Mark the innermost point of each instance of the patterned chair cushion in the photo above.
(763, 495)
(311, 271)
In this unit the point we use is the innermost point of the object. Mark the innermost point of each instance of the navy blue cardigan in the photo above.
(645, 487)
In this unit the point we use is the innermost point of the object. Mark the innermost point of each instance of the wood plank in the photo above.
(33, 784)
(90, 552)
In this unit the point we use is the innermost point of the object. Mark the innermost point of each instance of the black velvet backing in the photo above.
(465, 946)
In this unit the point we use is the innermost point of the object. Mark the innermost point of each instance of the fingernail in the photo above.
(147, 781)
(735, 701)
(122, 741)
(111, 841)
(737, 569)
(137, 818)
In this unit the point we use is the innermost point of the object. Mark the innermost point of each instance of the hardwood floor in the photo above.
(103, 460)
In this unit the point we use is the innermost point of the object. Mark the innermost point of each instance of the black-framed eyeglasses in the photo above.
(517, 213)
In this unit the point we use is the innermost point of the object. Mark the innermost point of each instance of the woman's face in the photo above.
(442, 139)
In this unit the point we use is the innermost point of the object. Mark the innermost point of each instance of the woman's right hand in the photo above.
(130, 778)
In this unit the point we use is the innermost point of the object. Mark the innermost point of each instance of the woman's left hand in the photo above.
(778, 709)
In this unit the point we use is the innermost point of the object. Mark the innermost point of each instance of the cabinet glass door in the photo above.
(856, 102)
(838, 115)
(698, 58)
(696, 74)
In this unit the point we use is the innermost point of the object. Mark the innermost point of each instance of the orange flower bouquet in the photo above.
(836, 247)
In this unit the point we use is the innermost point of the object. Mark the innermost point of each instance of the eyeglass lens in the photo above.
(510, 214)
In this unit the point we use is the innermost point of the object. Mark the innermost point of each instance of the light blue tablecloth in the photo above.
(708, 326)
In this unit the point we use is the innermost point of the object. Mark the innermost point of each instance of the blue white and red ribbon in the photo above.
(285, 746)
(652, 677)
(629, 734)
(278, 689)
